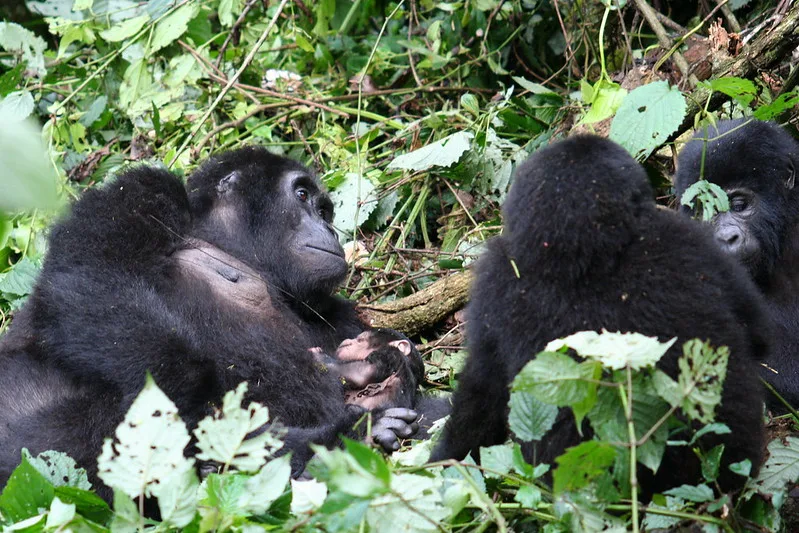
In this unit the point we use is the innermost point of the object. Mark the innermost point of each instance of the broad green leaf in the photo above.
(711, 463)
(353, 201)
(529, 496)
(647, 117)
(605, 98)
(610, 423)
(59, 469)
(60, 514)
(126, 514)
(16, 107)
(125, 29)
(780, 105)
(27, 178)
(266, 486)
(742, 90)
(227, 10)
(80, 5)
(441, 153)
(582, 464)
(556, 379)
(16, 39)
(220, 496)
(782, 466)
(136, 81)
(421, 493)
(88, 504)
(497, 460)
(530, 419)
(26, 493)
(147, 449)
(10, 79)
(173, 26)
(75, 33)
(222, 437)
(615, 350)
(177, 499)
(693, 493)
(20, 280)
(307, 496)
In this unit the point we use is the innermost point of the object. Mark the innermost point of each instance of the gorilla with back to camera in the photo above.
(225, 280)
(756, 163)
(584, 248)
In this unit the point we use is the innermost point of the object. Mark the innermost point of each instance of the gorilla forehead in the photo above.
(740, 153)
(258, 170)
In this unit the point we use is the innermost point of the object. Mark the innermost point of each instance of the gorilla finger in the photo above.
(386, 438)
(398, 426)
(408, 415)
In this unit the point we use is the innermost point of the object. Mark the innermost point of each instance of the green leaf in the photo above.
(710, 196)
(80, 5)
(711, 463)
(605, 98)
(699, 493)
(647, 117)
(781, 468)
(266, 486)
(615, 350)
(125, 29)
(307, 496)
(369, 459)
(742, 90)
(702, 373)
(497, 460)
(21, 279)
(136, 81)
(170, 28)
(59, 469)
(10, 79)
(353, 201)
(16, 39)
(535, 88)
(556, 379)
(742, 468)
(177, 499)
(529, 418)
(89, 504)
(780, 105)
(16, 106)
(60, 514)
(420, 493)
(529, 496)
(441, 153)
(26, 493)
(222, 437)
(148, 446)
(581, 465)
(126, 514)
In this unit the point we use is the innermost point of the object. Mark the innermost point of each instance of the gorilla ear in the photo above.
(227, 183)
(791, 179)
(403, 346)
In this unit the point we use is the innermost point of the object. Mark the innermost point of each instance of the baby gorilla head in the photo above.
(380, 369)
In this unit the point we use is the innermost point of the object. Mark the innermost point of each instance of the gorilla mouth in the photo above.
(338, 253)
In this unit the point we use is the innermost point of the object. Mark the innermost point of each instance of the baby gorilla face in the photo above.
(363, 345)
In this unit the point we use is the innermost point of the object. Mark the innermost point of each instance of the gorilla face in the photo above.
(273, 213)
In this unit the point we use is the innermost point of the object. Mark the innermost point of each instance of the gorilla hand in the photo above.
(392, 425)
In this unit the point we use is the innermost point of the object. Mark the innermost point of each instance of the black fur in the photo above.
(593, 251)
(756, 163)
(203, 289)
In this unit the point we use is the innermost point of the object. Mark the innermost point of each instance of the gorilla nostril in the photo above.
(732, 239)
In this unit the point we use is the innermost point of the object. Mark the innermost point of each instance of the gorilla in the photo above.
(379, 368)
(224, 280)
(755, 163)
(584, 247)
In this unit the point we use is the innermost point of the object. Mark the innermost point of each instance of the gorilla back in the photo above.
(229, 282)
(585, 248)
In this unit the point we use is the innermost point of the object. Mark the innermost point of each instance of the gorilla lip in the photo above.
(339, 253)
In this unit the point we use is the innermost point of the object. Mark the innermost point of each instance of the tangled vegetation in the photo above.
(415, 113)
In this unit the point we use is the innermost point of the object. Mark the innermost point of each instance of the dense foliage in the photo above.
(415, 113)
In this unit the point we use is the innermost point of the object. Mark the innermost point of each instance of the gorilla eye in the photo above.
(302, 194)
(738, 204)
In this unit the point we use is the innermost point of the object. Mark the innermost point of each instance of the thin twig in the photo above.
(233, 31)
(565, 33)
(663, 39)
(231, 81)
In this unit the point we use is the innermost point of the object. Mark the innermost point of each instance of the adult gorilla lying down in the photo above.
(204, 286)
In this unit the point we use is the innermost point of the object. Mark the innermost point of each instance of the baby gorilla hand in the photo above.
(392, 425)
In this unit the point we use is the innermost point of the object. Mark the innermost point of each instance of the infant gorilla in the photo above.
(379, 369)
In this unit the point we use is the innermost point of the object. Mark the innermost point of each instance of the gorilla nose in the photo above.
(729, 238)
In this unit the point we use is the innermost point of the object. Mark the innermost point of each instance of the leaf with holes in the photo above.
(647, 117)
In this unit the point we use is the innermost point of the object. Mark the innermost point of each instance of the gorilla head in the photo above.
(755, 163)
(253, 204)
